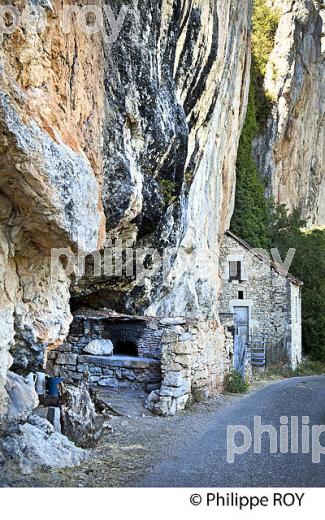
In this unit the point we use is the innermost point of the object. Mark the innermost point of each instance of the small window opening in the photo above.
(235, 270)
(126, 348)
(241, 295)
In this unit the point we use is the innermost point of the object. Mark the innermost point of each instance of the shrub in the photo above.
(265, 22)
(308, 265)
(250, 218)
(309, 368)
(168, 189)
(235, 384)
(277, 371)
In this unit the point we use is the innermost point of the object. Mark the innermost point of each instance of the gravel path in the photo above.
(190, 448)
(127, 455)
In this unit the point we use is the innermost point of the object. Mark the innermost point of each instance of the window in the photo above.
(234, 271)
(241, 295)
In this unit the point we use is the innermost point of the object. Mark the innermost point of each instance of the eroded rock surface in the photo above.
(36, 445)
(291, 153)
(51, 170)
(79, 418)
(176, 84)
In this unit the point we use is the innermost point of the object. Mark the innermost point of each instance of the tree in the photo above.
(252, 209)
(287, 231)
(250, 219)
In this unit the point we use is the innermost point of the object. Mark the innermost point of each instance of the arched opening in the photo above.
(126, 348)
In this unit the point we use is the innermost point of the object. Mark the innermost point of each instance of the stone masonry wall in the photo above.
(143, 332)
(111, 371)
(195, 359)
(114, 372)
(184, 361)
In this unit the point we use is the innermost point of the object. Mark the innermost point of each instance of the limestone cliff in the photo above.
(176, 83)
(50, 113)
(145, 128)
(291, 152)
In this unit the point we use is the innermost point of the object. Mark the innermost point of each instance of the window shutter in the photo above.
(235, 270)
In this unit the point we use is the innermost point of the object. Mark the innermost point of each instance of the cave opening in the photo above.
(126, 348)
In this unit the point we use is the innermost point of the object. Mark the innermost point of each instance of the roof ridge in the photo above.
(265, 259)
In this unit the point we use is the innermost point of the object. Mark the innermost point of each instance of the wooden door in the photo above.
(242, 321)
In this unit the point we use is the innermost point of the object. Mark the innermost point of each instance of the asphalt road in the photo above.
(201, 461)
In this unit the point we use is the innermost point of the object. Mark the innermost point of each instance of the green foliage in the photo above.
(284, 227)
(286, 231)
(309, 368)
(265, 22)
(250, 219)
(252, 210)
(275, 372)
(234, 383)
(168, 190)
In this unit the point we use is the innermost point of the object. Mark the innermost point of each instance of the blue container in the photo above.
(53, 386)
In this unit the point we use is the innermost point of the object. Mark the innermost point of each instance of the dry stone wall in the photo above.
(195, 359)
(186, 361)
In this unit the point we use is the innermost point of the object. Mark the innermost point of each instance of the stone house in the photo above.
(262, 301)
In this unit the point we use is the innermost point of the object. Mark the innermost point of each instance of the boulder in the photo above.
(35, 445)
(22, 400)
(79, 418)
(99, 347)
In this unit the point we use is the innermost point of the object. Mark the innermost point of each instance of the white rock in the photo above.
(174, 379)
(99, 347)
(22, 400)
(45, 447)
(290, 153)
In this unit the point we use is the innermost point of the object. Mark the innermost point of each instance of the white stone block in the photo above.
(99, 347)
(173, 379)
